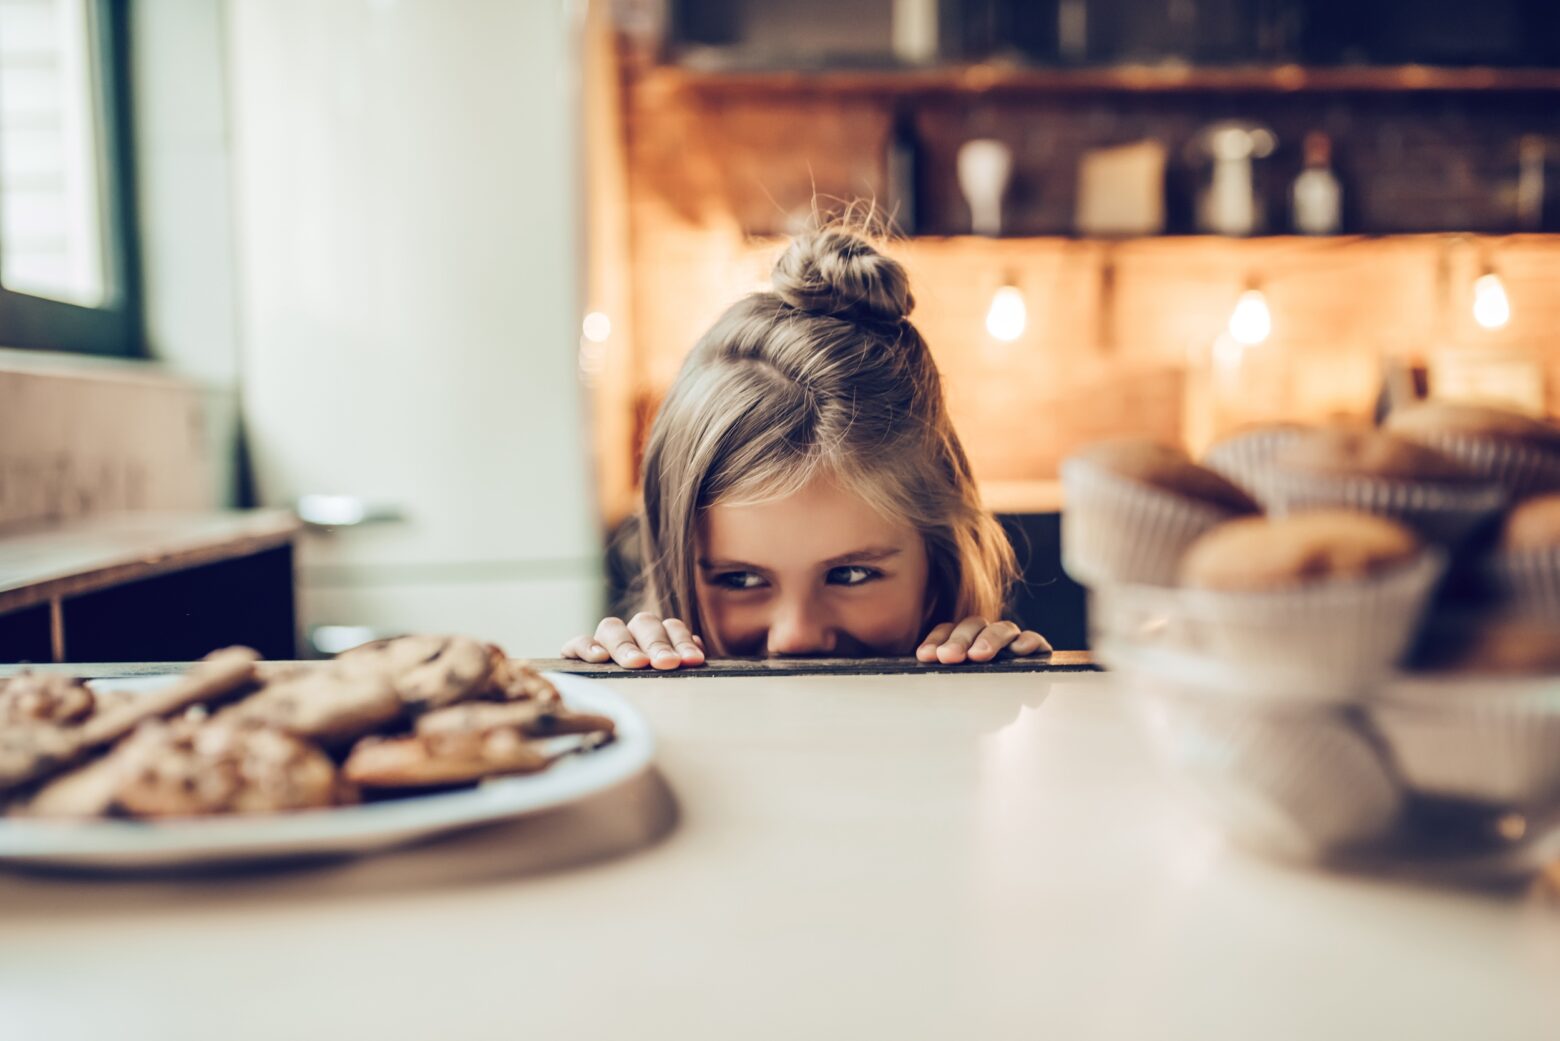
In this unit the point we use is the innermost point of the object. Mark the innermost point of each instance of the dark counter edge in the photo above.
(1058, 661)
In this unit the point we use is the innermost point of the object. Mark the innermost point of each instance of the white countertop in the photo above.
(980, 856)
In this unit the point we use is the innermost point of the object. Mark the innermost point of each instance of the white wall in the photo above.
(81, 434)
(407, 243)
(185, 210)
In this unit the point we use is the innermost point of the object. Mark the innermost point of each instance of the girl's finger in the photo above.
(585, 648)
(991, 640)
(1029, 642)
(928, 649)
(613, 635)
(957, 645)
(698, 641)
(691, 653)
(651, 633)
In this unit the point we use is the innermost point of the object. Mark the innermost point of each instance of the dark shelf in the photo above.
(1019, 79)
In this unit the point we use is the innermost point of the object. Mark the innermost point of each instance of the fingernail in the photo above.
(982, 646)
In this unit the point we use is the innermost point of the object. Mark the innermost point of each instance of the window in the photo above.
(67, 278)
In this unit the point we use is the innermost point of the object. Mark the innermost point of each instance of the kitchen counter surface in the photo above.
(935, 856)
(723, 668)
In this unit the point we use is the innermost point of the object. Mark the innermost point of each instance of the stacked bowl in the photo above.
(1346, 640)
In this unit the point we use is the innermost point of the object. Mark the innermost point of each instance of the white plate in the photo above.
(343, 830)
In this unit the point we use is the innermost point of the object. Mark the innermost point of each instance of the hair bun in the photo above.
(837, 273)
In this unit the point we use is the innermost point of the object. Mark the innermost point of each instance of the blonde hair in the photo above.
(822, 374)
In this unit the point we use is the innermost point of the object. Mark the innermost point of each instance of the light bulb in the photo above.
(597, 327)
(1008, 316)
(1251, 322)
(1491, 307)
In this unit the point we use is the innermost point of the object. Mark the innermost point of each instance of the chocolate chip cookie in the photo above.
(38, 749)
(516, 681)
(325, 703)
(531, 718)
(187, 768)
(44, 697)
(442, 759)
(426, 672)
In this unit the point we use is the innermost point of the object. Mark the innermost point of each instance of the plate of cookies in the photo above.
(237, 759)
(1345, 638)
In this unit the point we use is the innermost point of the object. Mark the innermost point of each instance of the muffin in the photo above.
(1481, 722)
(1246, 456)
(1518, 451)
(1523, 572)
(1133, 506)
(1271, 553)
(1533, 524)
(1376, 472)
(1321, 604)
(1507, 647)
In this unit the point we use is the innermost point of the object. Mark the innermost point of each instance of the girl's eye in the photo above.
(852, 576)
(739, 580)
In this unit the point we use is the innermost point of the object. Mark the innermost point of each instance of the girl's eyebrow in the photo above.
(865, 555)
(729, 565)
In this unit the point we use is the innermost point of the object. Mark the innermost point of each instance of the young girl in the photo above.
(804, 490)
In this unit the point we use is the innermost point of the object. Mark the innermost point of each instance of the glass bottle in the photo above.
(1317, 198)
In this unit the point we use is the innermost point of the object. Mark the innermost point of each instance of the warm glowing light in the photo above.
(1251, 322)
(1008, 316)
(597, 327)
(1491, 307)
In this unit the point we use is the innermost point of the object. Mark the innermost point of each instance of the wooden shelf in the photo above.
(1001, 244)
(41, 563)
(1014, 79)
(156, 586)
(1035, 496)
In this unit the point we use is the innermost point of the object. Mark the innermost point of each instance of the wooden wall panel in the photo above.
(1120, 334)
(80, 437)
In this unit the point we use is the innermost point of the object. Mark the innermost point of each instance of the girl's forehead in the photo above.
(822, 519)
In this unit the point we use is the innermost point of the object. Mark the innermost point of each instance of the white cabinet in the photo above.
(408, 255)
(528, 618)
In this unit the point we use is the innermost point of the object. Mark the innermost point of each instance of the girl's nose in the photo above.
(795, 629)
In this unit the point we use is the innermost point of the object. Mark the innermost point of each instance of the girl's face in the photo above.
(816, 573)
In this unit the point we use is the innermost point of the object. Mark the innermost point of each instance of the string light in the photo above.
(1251, 323)
(1491, 306)
(596, 327)
(1007, 317)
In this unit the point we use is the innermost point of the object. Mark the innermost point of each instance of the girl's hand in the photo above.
(974, 640)
(645, 641)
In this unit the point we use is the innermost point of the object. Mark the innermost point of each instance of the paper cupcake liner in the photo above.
(1494, 741)
(1519, 468)
(1442, 513)
(1116, 530)
(1526, 583)
(1246, 459)
(1139, 616)
(1295, 783)
(1326, 640)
